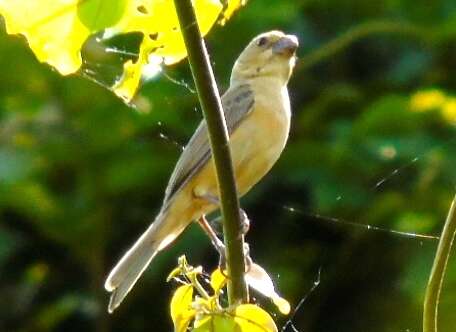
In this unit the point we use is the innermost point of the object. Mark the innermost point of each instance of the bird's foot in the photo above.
(216, 242)
(248, 260)
(245, 221)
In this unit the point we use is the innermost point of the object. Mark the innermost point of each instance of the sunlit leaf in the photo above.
(217, 323)
(218, 280)
(181, 311)
(56, 30)
(252, 318)
(97, 15)
(230, 8)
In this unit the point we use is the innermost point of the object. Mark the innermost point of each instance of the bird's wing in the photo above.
(237, 102)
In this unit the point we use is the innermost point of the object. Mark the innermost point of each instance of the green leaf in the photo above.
(217, 323)
(97, 15)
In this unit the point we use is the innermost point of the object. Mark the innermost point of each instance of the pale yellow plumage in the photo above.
(257, 112)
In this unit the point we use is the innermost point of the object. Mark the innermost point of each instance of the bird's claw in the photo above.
(247, 259)
(222, 258)
(245, 222)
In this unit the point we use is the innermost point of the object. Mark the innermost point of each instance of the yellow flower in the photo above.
(424, 101)
(449, 110)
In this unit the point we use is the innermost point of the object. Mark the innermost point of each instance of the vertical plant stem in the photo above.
(218, 135)
(434, 287)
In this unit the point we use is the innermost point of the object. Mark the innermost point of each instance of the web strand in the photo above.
(301, 302)
(364, 226)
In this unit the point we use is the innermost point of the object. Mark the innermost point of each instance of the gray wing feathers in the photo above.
(237, 102)
(195, 154)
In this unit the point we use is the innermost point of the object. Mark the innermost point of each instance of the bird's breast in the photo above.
(261, 137)
(256, 144)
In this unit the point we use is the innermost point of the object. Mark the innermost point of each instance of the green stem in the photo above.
(218, 136)
(434, 287)
(354, 34)
(196, 284)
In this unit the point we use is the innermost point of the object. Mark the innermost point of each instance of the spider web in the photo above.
(91, 71)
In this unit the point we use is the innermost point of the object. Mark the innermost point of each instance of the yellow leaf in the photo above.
(57, 29)
(218, 280)
(52, 28)
(230, 8)
(252, 318)
(181, 311)
(162, 37)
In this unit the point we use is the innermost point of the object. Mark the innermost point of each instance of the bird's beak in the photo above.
(286, 45)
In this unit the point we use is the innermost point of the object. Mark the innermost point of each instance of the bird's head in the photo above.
(269, 54)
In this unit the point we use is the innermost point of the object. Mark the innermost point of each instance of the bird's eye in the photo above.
(262, 41)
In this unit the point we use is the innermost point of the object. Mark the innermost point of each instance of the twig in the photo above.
(218, 135)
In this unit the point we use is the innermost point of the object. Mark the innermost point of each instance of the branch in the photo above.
(218, 136)
(434, 287)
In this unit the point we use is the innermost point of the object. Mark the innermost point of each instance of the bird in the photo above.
(257, 111)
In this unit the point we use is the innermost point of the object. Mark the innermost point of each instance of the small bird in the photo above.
(257, 113)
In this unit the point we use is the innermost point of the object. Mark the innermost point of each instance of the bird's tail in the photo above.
(128, 270)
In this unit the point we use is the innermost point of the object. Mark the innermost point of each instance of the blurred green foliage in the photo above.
(82, 174)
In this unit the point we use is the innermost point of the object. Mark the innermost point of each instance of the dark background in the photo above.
(82, 174)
